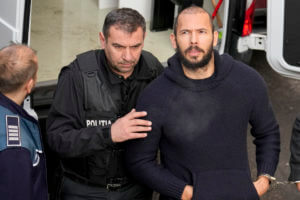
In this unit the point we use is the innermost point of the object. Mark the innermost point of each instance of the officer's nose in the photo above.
(127, 55)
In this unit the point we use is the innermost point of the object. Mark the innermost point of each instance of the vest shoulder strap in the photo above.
(88, 61)
(97, 94)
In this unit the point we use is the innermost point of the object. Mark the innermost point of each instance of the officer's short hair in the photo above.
(17, 65)
(192, 9)
(126, 19)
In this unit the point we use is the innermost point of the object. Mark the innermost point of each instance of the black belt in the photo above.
(116, 183)
(112, 184)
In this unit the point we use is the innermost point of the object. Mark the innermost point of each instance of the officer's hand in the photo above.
(261, 185)
(298, 186)
(130, 127)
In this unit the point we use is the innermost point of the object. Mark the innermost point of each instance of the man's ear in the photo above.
(29, 85)
(173, 40)
(145, 34)
(102, 40)
(216, 37)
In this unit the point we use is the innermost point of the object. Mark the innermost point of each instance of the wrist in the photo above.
(107, 136)
(267, 178)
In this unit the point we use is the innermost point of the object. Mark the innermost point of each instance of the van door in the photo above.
(15, 27)
(14, 21)
(237, 26)
(283, 39)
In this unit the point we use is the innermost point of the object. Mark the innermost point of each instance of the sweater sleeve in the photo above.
(66, 132)
(265, 129)
(141, 154)
(295, 151)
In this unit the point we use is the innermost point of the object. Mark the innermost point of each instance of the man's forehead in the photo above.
(194, 9)
(121, 30)
(193, 19)
(125, 38)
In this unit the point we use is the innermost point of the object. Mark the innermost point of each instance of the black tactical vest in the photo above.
(102, 106)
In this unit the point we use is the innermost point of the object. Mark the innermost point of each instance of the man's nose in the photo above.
(194, 38)
(127, 55)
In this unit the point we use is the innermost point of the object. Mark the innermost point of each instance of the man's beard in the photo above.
(195, 65)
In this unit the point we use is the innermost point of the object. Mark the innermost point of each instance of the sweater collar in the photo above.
(174, 71)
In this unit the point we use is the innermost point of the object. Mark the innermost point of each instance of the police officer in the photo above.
(93, 111)
(22, 160)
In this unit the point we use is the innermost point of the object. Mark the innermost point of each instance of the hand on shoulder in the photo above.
(130, 127)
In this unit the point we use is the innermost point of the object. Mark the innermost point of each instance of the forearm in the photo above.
(267, 141)
(78, 142)
(159, 179)
(267, 153)
(141, 160)
(67, 133)
(265, 129)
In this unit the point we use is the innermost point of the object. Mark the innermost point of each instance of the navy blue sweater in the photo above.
(200, 127)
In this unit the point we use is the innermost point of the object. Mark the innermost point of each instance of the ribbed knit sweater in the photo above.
(200, 127)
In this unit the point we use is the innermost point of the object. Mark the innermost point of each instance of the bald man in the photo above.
(22, 160)
(200, 109)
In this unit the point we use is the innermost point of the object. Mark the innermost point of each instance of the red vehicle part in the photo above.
(217, 9)
(248, 22)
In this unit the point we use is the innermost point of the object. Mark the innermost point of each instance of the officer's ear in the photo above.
(29, 85)
(102, 40)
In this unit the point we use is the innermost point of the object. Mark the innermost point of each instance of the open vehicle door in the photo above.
(283, 40)
(243, 27)
(269, 25)
(15, 27)
(14, 21)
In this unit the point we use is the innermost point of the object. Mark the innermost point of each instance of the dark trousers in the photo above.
(72, 190)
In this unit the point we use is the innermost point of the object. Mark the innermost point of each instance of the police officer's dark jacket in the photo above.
(88, 99)
(22, 159)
